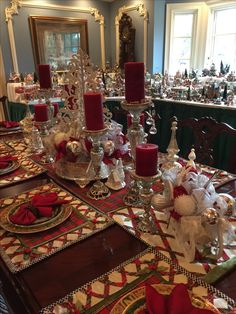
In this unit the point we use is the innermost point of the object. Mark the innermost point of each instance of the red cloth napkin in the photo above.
(9, 124)
(41, 205)
(178, 302)
(4, 161)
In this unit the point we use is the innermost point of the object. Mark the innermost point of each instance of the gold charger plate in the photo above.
(15, 128)
(134, 301)
(42, 224)
(13, 165)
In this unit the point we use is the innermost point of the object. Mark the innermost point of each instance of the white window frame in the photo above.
(199, 32)
(214, 5)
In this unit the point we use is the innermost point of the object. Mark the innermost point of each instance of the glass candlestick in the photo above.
(98, 190)
(45, 136)
(147, 223)
(131, 198)
(136, 134)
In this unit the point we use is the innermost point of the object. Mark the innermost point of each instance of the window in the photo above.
(185, 36)
(222, 37)
(199, 34)
(181, 44)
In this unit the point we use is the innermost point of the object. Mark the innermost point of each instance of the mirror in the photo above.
(56, 39)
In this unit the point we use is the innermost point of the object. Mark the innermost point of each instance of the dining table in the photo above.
(95, 259)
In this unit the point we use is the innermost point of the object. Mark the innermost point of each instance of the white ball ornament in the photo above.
(185, 205)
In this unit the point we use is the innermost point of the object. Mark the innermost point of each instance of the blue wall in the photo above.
(156, 9)
(22, 32)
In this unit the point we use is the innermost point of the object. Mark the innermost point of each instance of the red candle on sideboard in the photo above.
(93, 110)
(41, 112)
(134, 81)
(146, 160)
(56, 108)
(44, 72)
(129, 120)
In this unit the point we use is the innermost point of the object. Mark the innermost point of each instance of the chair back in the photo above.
(213, 141)
(4, 102)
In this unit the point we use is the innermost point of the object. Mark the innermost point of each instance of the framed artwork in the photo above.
(56, 39)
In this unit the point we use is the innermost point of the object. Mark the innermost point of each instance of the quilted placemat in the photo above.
(164, 239)
(19, 145)
(20, 250)
(4, 148)
(27, 169)
(112, 292)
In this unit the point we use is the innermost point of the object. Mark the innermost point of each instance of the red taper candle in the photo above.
(93, 110)
(146, 160)
(129, 120)
(41, 112)
(56, 108)
(134, 81)
(44, 72)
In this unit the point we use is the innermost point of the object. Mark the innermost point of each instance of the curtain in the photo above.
(3, 89)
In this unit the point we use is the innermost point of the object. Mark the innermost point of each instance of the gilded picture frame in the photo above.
(55, 39)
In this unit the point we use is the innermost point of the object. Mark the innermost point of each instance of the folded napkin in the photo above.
(219, 271)
(9, 124)
(4, 161)
(41, 205)
(178, 302)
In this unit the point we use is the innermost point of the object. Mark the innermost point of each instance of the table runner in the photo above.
(102, 295)
(19, 251)
(115, 201)
(165, 241)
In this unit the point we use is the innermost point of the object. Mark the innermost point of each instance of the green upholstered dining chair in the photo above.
(214, 142)
(4, 102)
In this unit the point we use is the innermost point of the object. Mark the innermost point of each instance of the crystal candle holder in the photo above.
(45, 136)
(136, 134)
(147, 223)
(98, 190)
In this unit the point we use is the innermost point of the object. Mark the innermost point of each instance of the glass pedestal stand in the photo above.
(147, 222)
(98, 190)
(132, 196)
(135, 133)
(45, 136)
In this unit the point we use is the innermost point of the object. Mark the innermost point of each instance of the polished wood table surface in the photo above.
(52, 278)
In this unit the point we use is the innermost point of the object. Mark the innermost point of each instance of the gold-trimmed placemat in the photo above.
(103, 294)
(19, 251)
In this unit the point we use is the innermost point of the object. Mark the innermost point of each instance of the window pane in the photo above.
(226, 21)
(179, 65)
(183, 25)
(224, 50)
(181, 48)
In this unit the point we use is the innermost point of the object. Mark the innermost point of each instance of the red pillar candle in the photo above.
(146, 160)
(93, 110)
(41, 112)
(129, 120)
(56, 108)
(45, 80)
(134, 81)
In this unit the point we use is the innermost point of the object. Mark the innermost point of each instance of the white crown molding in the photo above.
(140, 7)
(13, 9)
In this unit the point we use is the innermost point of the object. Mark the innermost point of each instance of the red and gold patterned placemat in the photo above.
(27, 169)
(4, 148)
(106, 294)
(19, 251)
